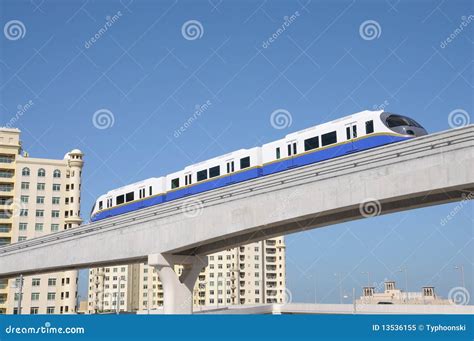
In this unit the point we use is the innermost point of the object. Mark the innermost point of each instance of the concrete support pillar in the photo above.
(177, 291)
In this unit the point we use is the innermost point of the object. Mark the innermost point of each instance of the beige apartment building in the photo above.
(249, 274)
(37, 197)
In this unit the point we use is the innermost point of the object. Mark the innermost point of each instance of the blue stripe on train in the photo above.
(298, 161)
(330, 153)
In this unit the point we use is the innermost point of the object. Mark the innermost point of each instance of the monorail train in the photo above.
(351, 134)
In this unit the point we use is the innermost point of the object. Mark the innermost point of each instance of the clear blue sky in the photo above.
(150, 78)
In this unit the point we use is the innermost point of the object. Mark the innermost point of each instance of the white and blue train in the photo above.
(351, 134)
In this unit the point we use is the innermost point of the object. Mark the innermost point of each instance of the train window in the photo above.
(202, 175)
(214, 171)
(245, 162)
(295, 151)
(120, 199)
(398, 120)
(150, 190)
(289, 150)
(100, 205)
(130, 196)
(328, 138)
(311, 143)
(278, 153)
(369, 127)
(348, 133)
(175, 183)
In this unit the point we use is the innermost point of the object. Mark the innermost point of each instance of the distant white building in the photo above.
(392, 295)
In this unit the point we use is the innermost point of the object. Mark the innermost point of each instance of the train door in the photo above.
(188, 181)
(292, 150)
(351, 136)
(141, 196)
(230, 169)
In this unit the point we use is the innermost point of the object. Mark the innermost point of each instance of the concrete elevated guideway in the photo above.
(429, 170)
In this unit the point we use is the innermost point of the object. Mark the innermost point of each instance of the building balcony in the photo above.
(270, 242)
(270, 251)
(270, 259)
(271, 276)
(271, 267)
(272, 292)
(242, 258)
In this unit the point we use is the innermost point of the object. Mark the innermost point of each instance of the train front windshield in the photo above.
(399, 120)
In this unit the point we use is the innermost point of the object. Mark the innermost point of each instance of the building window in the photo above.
(23, 226)
(51, 282)
(40, 186)
(312, 143)
(39, 213)
(369, 127)
(25, 171)
(38, 227)
(56, 173)
(25, 185)
(245, 162)
(34, 310)
(56, 187)
(55, 214)
(23, 212)
(24, 199)
(41, 172)
(54, 227)
(329, 138)
(56, 200)
(51, 296)
(20, 239)
(40, 200)
(35, 282)
(50, 310)
(35, 296)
